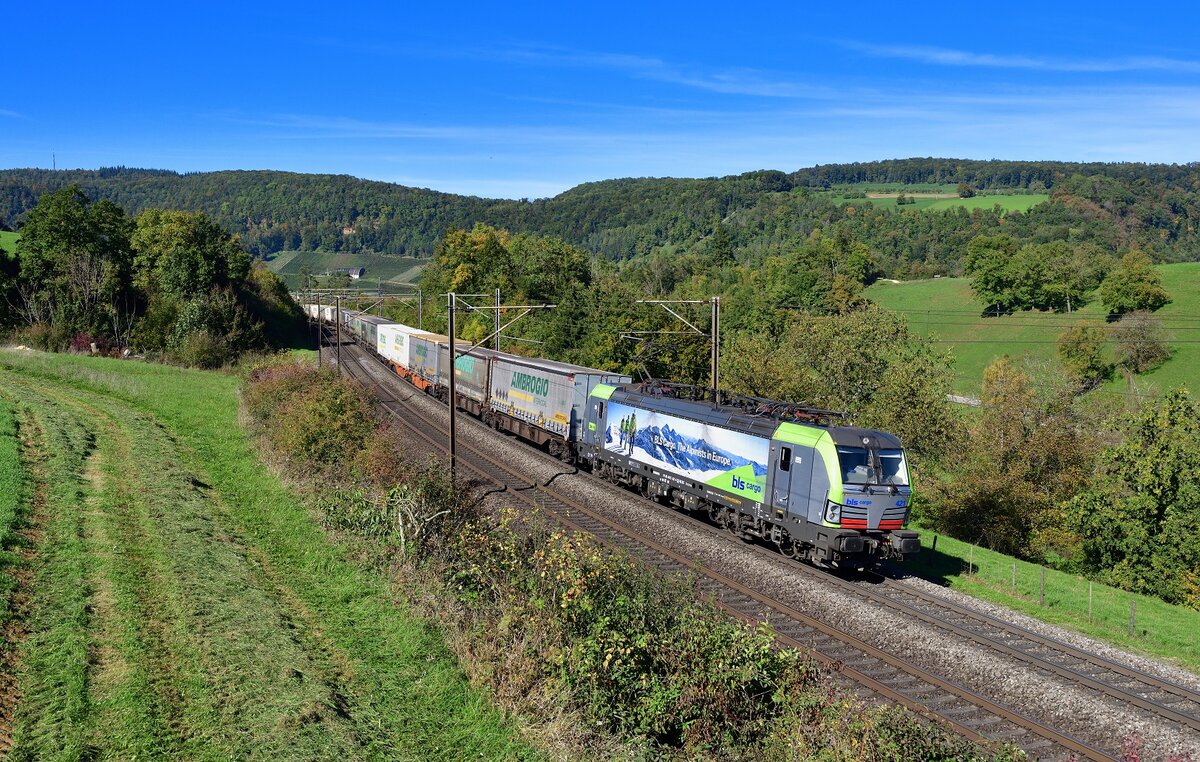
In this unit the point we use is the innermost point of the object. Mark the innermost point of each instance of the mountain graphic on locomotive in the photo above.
(837, 496)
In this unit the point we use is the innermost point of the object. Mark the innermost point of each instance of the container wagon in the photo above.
(542, 400)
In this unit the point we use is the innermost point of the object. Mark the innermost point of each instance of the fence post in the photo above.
(1132, 615)
(971, 560)
(1089, 601)
(1014, 577)
(1042, 596)
(934, 547)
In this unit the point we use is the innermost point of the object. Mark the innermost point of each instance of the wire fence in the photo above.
(1098, 608)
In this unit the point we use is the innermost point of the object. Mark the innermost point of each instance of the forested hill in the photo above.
(758, 213)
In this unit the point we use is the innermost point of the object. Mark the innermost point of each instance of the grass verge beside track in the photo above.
(1161, 629)
(185, 604)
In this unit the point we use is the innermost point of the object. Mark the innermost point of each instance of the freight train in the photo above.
(837, 496)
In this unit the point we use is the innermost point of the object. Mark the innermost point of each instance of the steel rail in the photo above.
(956, 717)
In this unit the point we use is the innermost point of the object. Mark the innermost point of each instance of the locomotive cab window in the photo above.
(856, 465)
(785, 459)
(894, 469)
(861, 466)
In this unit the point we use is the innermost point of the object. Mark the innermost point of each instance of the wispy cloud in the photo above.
(11, 114)
(964, 58)
(735, 81)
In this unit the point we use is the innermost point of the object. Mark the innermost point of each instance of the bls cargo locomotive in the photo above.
(834, 495)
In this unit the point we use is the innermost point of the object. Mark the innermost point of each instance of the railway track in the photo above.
(872, 670)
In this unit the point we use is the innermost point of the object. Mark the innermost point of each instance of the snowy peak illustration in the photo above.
(666, 445)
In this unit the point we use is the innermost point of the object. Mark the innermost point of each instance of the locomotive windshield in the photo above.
(861, 466)
(893, 468)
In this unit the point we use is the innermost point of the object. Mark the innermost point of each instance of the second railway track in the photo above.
(875, 671)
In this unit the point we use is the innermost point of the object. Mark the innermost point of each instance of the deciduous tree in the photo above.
(1141, 515)
(1133, 285)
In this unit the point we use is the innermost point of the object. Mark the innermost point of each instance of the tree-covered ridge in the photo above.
(764, 213)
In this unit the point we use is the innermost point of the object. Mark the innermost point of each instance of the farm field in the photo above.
(182, 603)
(391, 270)
(1007, 202)
(946, 309)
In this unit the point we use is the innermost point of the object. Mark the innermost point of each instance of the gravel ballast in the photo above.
(1081, 711)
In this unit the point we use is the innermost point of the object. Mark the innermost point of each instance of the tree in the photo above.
(75, 260)
(845, 295)
(1026, 451)
(866, 362)
(1141, 345)
(720, 247)
(965, 191)
(1133, 285)
(1069, 273)
(1081, 349)
(183, 254)
(1141, 515)
(988, 266)
(338, 280)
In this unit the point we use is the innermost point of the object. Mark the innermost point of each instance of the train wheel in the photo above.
(732, 522)
(790, 548)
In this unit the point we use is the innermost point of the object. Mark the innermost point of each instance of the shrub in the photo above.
(49, 337)
(1141, 344)
(84, 342)
(309, 415)
(202, 349)
(1081, 349)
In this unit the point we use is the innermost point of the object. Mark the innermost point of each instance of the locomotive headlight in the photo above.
(833, 513)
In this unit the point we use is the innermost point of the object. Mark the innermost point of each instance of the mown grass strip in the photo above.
(51, 721)
(396, 681)
(14, 497)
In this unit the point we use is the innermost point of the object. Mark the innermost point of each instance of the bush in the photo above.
(1141, 344)
(309, 415)
(48, 337)
(83, 343)
(202, 349)
(1081, 349)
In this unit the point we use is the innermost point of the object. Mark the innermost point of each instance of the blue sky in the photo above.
(529, 99)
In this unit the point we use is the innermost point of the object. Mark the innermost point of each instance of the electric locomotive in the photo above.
(836, 495)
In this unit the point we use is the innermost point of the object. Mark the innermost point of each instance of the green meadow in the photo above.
(945, 309)
(184, 604)
(393, 271)
(1007, 202)
(8, 241)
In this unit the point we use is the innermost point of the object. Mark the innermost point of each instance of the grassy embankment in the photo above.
(392, 271)
(1161, 630)
(946, 309)
(8, 241)
(185, 604)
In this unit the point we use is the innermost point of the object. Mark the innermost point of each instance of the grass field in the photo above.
(946, 309)
(186, 605)
(8, 241)
(390, 270)
(895, 188)
(1009, 203)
